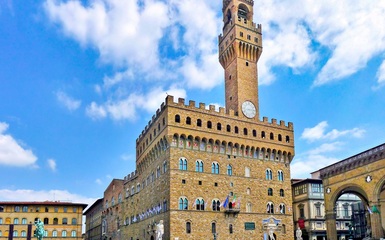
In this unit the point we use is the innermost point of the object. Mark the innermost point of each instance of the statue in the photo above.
(39, 231)
(159, 230)
(298, 234)
(271, 234)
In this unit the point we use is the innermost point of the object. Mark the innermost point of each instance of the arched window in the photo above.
(188, 121)
(15, 233)
(216, 205)
(271, 136)
(248, 191)
(245, 131)
(188, 227)
(45, 233)
(64, 221)
(236, 129)
(74, 221)
(199, 123)
(54, 233)
(209, 124)
(200, 204)
(248, 207)
(213, 228)
(228, 128)
(177, 118)
(270, 207)
(263, 134)
(64, 233)
(281, 192)
(247, 172)
(46, 221)
(280, 137)
(229, 170)
(16, 221)
(164, 167)
(183, 203)
(219, 126)
(282, 209)
(73, 233)
(183, 164)
(254, 133)
(23, 233)
(287, 139)
(1, 220)
(199, 166)
(1, 233)
(55, 221)
(23, 221)
(231, 228)
(280, 175)
(215, 168)
(270, 192)
(269, 174)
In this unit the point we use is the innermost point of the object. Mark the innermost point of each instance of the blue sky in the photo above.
(79, 80)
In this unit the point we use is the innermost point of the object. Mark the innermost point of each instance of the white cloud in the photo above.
(124, 33)
(98, 181)
(352, 33)
(318, 132)
(43, 195)
(127, 107)
(326, 148)
(52, 164)
(12, 153)
(70, 103)
(302, 167)
(95, 111)
(381, 76)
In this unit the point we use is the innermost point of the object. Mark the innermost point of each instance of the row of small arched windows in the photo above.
(45, 221)
(219, 127)
(199, 167)
(200, 205)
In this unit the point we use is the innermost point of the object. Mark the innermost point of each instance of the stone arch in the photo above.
(331, 199)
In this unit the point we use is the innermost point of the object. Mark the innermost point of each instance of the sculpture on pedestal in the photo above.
(159, 230)
(298, 234)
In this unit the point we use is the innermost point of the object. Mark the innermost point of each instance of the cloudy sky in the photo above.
(79, 80)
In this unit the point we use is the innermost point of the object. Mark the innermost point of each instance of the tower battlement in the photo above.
(210, 109)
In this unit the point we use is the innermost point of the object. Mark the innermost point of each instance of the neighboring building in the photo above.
(62, 220)
(309, 210)
(94, 220)
(211, 174)
(112, 210)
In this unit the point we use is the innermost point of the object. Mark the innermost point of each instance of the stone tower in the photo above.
(240, 46)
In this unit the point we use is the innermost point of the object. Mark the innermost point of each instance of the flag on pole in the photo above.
(226, 202)
(234, 198)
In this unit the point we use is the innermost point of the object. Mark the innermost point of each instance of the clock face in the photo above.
(248, 109)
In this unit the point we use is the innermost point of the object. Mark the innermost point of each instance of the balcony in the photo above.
(233, 211)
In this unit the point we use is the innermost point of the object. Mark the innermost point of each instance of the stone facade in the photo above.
(62, 220)
(214, 174)
(112, 210)
(93, 216)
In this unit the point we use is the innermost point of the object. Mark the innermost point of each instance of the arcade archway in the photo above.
(364, 176)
